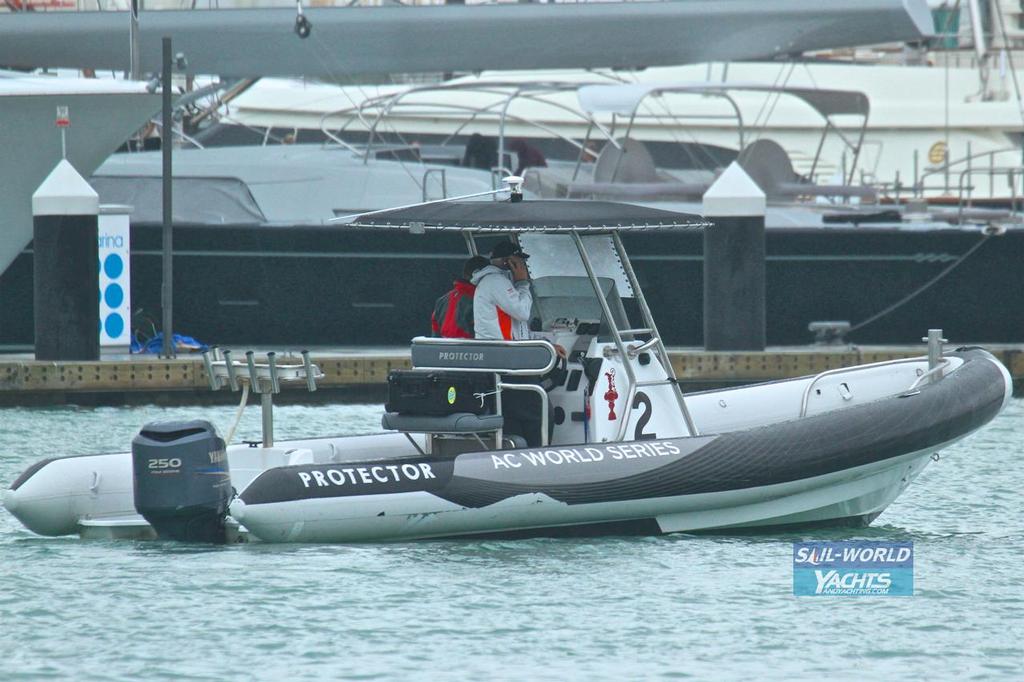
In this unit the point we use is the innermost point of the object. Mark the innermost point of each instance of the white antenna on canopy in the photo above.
(515, 188)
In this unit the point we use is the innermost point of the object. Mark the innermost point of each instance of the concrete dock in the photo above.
(359, 375)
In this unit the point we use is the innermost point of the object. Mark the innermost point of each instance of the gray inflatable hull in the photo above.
(846, 465)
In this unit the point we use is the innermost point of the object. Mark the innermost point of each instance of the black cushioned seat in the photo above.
(460, 422)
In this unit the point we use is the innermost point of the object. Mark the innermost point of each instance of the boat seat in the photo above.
(532, 357)
(628, 162)
(459, 422)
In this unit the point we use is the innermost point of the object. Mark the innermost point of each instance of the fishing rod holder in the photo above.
(262, 378)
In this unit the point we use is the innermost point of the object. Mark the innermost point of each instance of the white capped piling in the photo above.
(65, 211)
(734, 263)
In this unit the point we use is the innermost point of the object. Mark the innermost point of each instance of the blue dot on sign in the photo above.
(114, 325)
(114, 295)
(113, 266)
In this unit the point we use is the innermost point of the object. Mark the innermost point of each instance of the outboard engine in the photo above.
(182, 483)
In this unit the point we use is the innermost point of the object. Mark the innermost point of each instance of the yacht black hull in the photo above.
(329, 286)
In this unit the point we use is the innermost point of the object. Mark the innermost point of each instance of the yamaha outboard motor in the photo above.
(182, 482)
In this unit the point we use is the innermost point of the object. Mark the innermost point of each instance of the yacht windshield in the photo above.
(558, 300)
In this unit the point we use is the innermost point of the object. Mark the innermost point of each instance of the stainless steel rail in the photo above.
(644, 347)
(534, 388)
(616, 336)
(840, 370)
(934, 374)
(666, 363)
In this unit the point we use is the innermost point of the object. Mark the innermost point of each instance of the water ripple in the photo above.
(677, 607)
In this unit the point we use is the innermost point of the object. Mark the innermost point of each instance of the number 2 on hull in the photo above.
(641, 423)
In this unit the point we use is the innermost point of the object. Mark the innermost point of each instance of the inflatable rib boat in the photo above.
(621, 449)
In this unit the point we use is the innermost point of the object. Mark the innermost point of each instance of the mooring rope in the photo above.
(924, 287)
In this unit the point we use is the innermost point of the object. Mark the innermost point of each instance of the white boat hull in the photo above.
(839, 465)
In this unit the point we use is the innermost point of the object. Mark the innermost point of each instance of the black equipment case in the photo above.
(435, 392)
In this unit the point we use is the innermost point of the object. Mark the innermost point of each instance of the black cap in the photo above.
(506, 248)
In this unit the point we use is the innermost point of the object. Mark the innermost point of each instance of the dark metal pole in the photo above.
(134, 70)
(166, 143)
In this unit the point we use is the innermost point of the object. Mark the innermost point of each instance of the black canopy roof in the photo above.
(531, 216)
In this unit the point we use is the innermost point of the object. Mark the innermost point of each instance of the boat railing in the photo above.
(937, 365)
(934, 373)
(965, 188)
(500, 386)
(841, 370)
(636, 349)
(337, 139)
(635, 332)
(971, 163)
(443, 174)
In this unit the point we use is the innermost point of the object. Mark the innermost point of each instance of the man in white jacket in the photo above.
(502, 301)
(501, 310)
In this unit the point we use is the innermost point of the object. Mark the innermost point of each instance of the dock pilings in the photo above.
(65, 214)
(734, 263)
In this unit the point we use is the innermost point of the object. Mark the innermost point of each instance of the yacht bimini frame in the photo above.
(631, 100)
(446, 105)
(596, 101)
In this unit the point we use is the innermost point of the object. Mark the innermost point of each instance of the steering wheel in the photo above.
(556, 377)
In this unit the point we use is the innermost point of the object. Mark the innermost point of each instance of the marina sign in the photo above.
(115, 281)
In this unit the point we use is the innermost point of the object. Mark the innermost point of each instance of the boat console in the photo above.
(615, 382)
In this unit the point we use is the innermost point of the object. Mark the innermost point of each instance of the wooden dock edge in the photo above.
(362, 377)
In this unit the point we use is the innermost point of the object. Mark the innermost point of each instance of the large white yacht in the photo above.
(924, 121)
(101, 113)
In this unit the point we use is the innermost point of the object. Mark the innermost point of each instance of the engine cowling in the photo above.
(181, 480)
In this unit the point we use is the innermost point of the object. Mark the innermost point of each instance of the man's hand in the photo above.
(517, 267)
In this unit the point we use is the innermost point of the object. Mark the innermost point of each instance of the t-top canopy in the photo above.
(532, 216)
(625, 98)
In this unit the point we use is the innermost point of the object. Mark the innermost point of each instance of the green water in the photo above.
(613, 608)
